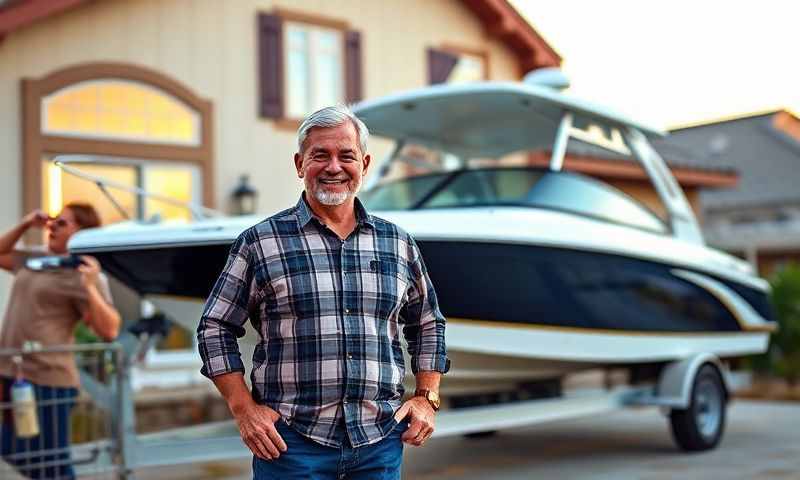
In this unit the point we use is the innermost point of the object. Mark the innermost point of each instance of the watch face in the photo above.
(433, 397)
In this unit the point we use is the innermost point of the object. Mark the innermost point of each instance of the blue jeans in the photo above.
(46, 455)
(306, 459)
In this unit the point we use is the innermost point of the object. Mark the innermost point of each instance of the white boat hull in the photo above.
(491, 357)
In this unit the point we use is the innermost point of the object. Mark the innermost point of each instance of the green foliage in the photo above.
(84, 334)
(783, 357)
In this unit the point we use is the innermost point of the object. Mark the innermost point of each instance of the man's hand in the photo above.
(257, 428)
(421, 423)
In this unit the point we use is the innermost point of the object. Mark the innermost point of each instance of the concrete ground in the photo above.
(762, 441)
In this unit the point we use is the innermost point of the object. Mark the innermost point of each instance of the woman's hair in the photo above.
(85, 215)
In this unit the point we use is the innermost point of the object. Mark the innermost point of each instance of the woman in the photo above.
(44, 307)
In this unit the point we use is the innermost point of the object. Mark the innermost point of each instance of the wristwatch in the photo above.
(431, 396)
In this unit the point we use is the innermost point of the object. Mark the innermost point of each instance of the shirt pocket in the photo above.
(385, 285)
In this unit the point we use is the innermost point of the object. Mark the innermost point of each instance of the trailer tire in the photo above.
(700, 427)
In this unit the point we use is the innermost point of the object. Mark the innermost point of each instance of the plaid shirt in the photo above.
(328, 314)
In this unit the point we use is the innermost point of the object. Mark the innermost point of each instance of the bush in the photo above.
(783, 357)
(84, 334)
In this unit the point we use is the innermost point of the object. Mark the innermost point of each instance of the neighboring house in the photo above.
(182, 97)
(619, 169)
(760, 218)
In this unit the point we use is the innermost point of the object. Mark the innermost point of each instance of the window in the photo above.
(468, 68)
(487, 186)
(305, 63)
(177, 181)
(121, 110)
(314, 73)
(457, 65)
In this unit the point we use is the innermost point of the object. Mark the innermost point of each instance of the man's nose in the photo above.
(334, 165)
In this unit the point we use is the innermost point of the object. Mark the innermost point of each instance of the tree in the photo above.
(784, 353)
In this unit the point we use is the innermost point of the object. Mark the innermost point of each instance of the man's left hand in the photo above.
(422, 419)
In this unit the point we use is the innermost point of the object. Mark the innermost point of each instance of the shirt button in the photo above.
(344, 402)
(349, 356)
(346, 310)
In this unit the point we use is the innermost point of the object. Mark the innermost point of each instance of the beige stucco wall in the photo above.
(210, 46)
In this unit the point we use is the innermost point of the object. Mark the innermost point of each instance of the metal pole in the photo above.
(560, 144)
(383, 166)
(197, 211)
(125, 421)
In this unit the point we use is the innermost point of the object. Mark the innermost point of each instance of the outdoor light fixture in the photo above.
(245, 197)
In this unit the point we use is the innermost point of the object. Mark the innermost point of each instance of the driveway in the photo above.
(762, 441)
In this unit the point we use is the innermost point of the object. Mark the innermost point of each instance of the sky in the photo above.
(678, 62)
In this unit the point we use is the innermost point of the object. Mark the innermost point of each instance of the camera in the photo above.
(53, 262)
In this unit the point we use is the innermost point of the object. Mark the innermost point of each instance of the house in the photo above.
(183, 97)
(616, 166)
(760, 218)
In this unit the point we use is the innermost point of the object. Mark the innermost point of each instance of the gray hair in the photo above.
(330, 117)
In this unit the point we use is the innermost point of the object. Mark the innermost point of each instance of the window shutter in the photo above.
(270, 66)
(352, 54)
(440, 65)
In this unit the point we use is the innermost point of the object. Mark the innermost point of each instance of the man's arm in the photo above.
(424, 332)
(256, 422)
(227, 309)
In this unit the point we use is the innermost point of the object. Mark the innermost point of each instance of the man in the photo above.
(328, 287)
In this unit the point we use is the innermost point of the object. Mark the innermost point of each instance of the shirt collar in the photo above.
(305, 214)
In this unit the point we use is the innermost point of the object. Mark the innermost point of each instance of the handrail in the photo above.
(197, 211)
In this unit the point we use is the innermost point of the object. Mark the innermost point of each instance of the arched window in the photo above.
(120, 110)
(128, 124)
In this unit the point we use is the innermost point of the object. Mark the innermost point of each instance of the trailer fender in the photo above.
(675, 382)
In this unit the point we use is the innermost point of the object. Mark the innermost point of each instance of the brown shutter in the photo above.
(352, 67)
(440, 65)
(270, 66)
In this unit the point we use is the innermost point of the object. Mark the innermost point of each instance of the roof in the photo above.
(504, 22)
(763, 147)
(499, 18)
(17, 14)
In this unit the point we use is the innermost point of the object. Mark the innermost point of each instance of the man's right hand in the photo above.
(257, 428)
(36, 219)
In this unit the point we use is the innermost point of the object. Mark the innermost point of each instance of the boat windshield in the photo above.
(513, 186)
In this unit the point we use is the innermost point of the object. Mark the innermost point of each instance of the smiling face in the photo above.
(331, 164)
(59, 231)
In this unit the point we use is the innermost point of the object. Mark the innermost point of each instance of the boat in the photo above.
(541, 272)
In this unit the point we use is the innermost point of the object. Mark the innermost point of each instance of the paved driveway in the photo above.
(762, 441)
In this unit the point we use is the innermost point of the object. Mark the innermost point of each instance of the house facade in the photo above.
(184, 97)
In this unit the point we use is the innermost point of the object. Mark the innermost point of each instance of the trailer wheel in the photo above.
(700, 426)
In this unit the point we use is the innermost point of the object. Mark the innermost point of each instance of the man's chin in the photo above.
(332, 199)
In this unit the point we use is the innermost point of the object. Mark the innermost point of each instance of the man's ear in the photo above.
(298, 164)
(367, 158)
